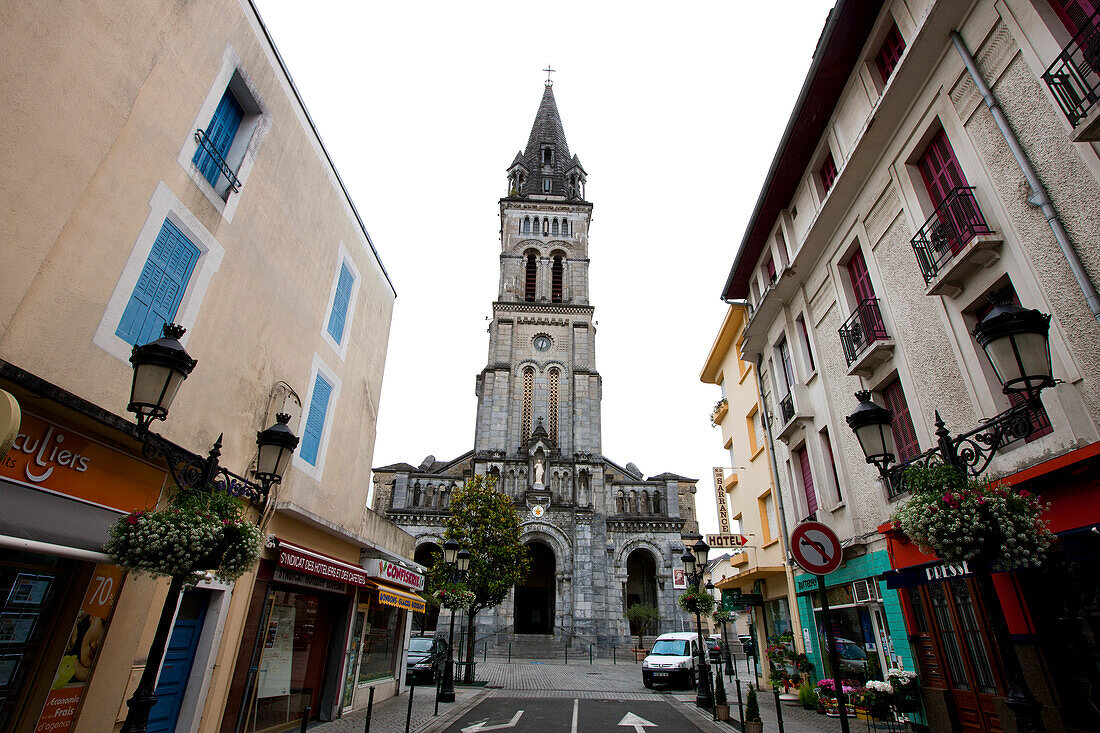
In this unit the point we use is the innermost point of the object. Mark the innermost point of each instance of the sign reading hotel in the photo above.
(726, 541)
(394, 573)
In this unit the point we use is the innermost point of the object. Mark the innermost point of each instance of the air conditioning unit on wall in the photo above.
(865, 590)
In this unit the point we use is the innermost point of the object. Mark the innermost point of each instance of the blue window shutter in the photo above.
(221, 131)
(340, 304)
(160, 287)
(315, 421)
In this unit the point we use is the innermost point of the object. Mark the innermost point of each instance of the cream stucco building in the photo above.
(939, 152)
(159, 165)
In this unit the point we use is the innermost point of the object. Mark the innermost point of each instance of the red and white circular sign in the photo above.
(816, 548)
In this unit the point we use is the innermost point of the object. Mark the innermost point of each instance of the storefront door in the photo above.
(953, 638)
(178, 660)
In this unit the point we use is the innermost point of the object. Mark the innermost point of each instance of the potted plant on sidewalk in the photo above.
(721, 704)
(753, 723)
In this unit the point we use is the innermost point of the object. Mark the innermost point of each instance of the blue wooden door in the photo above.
(178, 658)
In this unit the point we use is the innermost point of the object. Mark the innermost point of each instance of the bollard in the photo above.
(305, 717)
(438, 688)
(567, 653)
(509, 652)
(485, 652)
(409, 714)
(613, 658)
(778, 710)
(590, 654)
(370, 707)
(740, 708)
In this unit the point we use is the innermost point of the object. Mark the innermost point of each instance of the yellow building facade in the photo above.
(752, 499)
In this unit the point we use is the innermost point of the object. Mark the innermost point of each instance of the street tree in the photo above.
(642, 617)
(484, 522)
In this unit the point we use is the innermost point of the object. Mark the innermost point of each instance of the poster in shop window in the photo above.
(78, 659)
(278, 654)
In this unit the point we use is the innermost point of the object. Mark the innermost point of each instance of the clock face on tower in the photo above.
(542, 342)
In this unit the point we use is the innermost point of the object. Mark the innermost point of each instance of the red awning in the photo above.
(303, 560)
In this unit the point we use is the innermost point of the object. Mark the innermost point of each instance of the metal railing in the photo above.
(1074, 76)
(863, 328)
(212, 153)
(952, 226)
(786, 408)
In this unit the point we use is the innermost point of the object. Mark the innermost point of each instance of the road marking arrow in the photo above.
(638, 723)
(478, 727)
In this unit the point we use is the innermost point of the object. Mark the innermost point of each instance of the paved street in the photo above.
(548, 693)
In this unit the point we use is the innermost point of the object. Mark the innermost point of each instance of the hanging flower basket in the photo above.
(722, 616)
(697, 601)
(960, 519)
(454, 597)
(197, 531)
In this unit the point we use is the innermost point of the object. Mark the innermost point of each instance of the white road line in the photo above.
(576, 704)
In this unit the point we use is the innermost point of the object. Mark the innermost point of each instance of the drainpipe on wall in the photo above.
(1039, 195)
(792, 595)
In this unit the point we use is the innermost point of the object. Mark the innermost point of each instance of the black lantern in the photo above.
(872, 426)
(1016, 340)
(159, 369)
(277, 445)
(462, 562)
(701, 550)
(688, 559)
(450, 552)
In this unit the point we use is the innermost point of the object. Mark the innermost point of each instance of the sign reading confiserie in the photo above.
(394, 573)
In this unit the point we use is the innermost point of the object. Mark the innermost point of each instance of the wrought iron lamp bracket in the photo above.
(192, 472)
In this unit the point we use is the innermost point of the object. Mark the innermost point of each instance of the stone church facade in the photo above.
(600, 535)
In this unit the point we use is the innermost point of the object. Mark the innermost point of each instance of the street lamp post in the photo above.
(458, 562)
(159, 369)
(694, 564)
(1016, 342)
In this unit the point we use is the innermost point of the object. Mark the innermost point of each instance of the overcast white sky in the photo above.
(675, 110)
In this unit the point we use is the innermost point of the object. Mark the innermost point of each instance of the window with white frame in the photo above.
(341, 303)
(324, 389)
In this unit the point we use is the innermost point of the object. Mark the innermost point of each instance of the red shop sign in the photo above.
(314, 563)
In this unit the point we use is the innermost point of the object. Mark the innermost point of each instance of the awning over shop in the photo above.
(311, 562)
(401, 599)
(750, 576)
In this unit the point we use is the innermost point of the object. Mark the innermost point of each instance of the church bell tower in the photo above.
(539, 393)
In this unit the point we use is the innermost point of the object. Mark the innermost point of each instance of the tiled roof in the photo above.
(547, 131)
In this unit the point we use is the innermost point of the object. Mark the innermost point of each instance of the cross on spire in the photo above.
(549, 71)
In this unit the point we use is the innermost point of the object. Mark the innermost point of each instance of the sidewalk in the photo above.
(389, 715)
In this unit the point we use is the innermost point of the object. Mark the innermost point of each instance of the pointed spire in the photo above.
(549, 166)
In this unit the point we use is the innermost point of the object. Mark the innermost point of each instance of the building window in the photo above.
(769, 270)
(887, 57)
(156, 296)
(768, 519)
(546, 185)
(548, 156)
(827, 449)
(553, 404)
(530, 278)
(341, 299)
(556, 271)
(526, 229)
(315, 421)
(784, 352)
(528, 390)
(940, 169)
(803, 459)
(554, 227)
(905, 436)
(827, 173)
(216, 140)
(565, 227)
(862, 287)
(804, 338)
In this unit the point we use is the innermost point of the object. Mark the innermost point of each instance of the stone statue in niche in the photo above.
(540, 469)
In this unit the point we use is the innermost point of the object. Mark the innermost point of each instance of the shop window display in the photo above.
(379, 637)
(860, 635)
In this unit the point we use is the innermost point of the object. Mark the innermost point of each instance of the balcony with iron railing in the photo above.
(786, 408)
(955, 242)
(794, 412)
(864, 339)
(210, 155)
(1074, 80)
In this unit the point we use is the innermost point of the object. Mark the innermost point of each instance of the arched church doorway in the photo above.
(426, 555)
(535, 595)
(641, 581)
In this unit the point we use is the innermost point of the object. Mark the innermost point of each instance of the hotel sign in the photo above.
(726, 541)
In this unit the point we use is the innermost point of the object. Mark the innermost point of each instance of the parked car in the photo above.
(714, 648)
(672, 660)
(424, 664)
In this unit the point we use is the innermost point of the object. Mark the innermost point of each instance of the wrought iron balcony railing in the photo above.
(213, 155)
(953, 225)
(786, 408)
(1074, 76)
(863, 328)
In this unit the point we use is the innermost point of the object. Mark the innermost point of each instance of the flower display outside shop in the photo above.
(961, 519)
(198, 531)
(788, 667)
(453, 596)
(696, 600)
(877, 697)
(906, 689)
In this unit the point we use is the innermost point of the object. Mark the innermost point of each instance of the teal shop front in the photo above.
(866, 617)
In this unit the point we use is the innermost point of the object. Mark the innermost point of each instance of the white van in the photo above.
(672, 660)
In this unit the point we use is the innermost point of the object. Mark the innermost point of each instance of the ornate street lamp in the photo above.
(159, 369)
(695, 562)
(1016, 342)
(458, 563)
